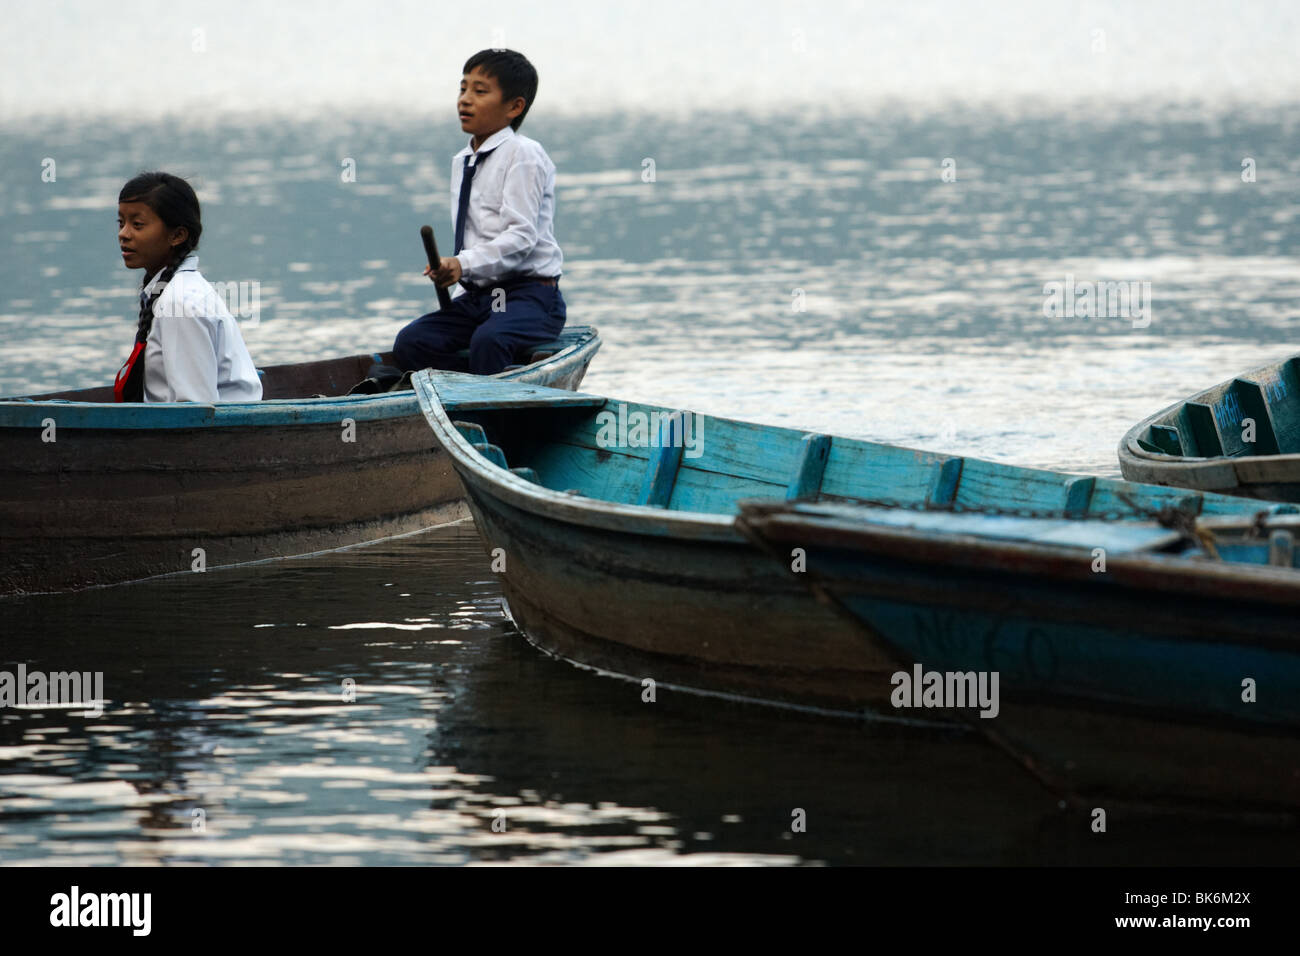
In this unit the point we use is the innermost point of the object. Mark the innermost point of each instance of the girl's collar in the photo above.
(189, 264)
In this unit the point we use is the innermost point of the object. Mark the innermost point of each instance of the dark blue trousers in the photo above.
(532, 315)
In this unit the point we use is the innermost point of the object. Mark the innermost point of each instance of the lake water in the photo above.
(786, 268)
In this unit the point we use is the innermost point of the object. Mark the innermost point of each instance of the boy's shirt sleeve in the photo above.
(521, 206)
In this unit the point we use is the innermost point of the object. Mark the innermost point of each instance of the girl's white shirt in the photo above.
(195, 351)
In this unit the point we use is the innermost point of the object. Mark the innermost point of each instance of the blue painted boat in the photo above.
(1241, 437)
(613, 526)
(93, 492)
(1168, 675)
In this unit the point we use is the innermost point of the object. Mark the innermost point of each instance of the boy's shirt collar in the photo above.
(492, 142)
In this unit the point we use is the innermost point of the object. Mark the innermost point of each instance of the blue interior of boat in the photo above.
(645, 455)
(1212, 423)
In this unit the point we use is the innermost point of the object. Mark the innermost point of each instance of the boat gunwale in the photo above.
(18, 413)
(481, 475)
(1145, 570)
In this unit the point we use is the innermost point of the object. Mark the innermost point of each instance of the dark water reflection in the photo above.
(225, 696)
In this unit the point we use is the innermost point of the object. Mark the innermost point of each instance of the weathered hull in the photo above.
(705, 616)
(699, 614)
(188, 487)
(1108, 690)
(73, 520)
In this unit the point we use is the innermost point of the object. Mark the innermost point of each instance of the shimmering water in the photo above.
(922, 307)
(922, 323)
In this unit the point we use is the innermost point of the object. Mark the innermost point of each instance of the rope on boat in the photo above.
(1174, 517)
(1184, 522)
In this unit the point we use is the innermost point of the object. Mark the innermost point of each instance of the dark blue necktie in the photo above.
(462, 207)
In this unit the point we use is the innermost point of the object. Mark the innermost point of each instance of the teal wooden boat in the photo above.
(1241, 437)
(613, 526)
(1170, 678)
(93, 492)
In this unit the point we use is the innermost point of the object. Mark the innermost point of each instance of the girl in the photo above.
(188, 347)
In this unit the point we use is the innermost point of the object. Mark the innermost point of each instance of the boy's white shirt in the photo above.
(510, 224)
(195, 351)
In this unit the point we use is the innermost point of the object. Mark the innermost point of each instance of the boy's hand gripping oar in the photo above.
(431, 250)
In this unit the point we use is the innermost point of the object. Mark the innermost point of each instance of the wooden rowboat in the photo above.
(94, 493)
(1241, 437)
(623, 554)
(1170, 679)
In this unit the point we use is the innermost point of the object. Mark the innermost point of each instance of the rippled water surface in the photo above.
(921, 319)
(227, 739)
(922, 322)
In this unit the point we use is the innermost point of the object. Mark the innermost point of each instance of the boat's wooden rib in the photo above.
(667, 587)
(1241, 437)
(94, 493)
(807, 480)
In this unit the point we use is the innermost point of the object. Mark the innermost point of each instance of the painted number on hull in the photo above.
(1024, 654)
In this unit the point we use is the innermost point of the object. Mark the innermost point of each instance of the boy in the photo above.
(503, 208)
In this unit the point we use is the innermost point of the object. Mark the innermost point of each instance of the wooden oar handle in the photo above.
(431, 250)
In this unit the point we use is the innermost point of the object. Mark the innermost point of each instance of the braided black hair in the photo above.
(174, 202)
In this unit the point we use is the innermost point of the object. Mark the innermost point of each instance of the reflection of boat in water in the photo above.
(588, 757)
(592, 761)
